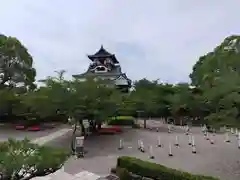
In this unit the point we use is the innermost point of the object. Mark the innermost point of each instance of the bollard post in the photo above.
(176, 141)
(151, 156)
(227, 138)
(139, 145)
(189, 140)
(238, 143)
(207, 136)
(170, 150)
(142, 146)
(194, 151)
(120, 144)
(193, 141)
(211, 141)
(236, 132)
(159, 141)
(169, 129)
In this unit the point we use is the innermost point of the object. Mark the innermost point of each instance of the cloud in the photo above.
(153, 39)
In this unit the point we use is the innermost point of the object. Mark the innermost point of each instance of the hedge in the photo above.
(156, 171)
(121, 121)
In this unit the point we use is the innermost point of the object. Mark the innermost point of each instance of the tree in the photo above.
(218, 63)
(15, 64)
(22, 160)
(218, 75)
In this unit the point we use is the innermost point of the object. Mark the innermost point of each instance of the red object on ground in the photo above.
(34, 128)
(116, 128)
(19, 127)
(110, 130)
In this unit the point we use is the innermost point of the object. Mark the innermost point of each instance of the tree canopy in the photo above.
(15, 64)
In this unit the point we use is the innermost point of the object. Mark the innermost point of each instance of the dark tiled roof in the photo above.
(102, 53)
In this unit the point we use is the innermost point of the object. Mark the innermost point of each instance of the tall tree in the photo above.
(15, 64)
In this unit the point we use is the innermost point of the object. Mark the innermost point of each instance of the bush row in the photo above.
(122, 121)
(153, 170)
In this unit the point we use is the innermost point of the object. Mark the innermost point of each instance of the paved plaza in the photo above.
(220, 159)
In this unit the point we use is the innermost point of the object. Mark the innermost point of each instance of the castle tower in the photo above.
(106, 66)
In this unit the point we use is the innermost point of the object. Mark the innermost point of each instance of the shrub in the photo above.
(22, 159)
(123, 174)
(122, 121)
(156, 171)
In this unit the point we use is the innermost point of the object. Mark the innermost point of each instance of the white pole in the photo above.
(176, 141)
(139, 144)
(236, 131)
(142, 146)
(238, 143)
(232, 131)
(239, 135)
(207, 136)
(189, 140)
(227, 138)
(169, 129)
(159, 141)
(193, 141)
(170, 150)
(120, 144)
(211, 140)
(194, 150)
(151, 152)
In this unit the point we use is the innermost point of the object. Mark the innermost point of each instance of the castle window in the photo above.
(100, 69)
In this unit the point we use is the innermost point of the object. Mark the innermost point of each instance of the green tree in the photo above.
(15, 64)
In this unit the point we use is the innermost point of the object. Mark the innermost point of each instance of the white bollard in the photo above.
(238, 143)
(211, 140)
(159, 141)
(139, 144)
(193, 141)
(169, 129)
(214, 132)
(176, 141)
(236, 132)
(120, 144)
(227, 138)
(207, 136)
(194, 151)
(170, 150)
(224, 128)
(142, 146)
(151, 156)
(238, 135)
(232, 131)
(157, 129)
(189, 140)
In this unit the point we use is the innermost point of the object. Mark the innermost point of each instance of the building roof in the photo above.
(103, 53)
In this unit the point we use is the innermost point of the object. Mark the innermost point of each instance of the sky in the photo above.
(154, 39)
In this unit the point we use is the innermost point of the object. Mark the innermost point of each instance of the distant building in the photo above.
(105, 66)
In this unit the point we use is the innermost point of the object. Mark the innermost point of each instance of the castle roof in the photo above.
(103, 53)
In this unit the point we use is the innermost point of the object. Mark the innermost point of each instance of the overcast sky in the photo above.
(153, 39)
